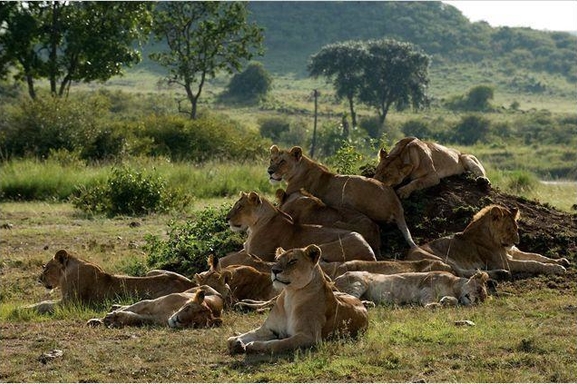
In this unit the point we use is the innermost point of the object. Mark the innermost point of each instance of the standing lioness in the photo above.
(306, 311)
(368, 196)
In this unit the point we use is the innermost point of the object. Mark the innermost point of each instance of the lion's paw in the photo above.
(96, 322)
(236, 346)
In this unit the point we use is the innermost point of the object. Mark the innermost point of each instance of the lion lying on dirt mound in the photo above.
(83, 282)
(430, 289)
(307, 310)
(424, 163)
(269, 228)
(488, 242)
(368, 196)
(198, 307)
(305, 208)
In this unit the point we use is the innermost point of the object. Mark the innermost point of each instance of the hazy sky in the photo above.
(543, 15)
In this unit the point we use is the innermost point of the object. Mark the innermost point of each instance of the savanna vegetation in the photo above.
(115, 172)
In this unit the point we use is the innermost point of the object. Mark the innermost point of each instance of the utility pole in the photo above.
(316, 95)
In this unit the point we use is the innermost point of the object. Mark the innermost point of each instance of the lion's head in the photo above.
(244, 211)
(474, 290)
(195, 313)
(283, 163)
(295, 268)
(391, 170)
(500, 222)
(54, 270)
(215, 277)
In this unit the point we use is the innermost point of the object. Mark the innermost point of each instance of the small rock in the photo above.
(461, 323)
(134, 224)
(48, 356)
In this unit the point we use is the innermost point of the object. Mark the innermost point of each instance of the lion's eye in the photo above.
(281, 162)
(292, 262)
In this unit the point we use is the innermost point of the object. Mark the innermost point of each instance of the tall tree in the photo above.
(395, 74)
(341, 64)
(203, 38)
(72, 41)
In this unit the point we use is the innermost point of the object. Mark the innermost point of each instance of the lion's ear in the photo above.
(313, 252)
(516, 213)
(279, 251)
(297, 153)
(199, 297)
(274, 150)
(226, 276)
(254, 198)
(482, 277)
(496, 213)
(280, 195)
(61, 257)
(383, 154)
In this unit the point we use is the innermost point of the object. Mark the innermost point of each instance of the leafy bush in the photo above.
(477, 99)
(273, 127)
(249, 86)
(471, 129)
(417, 128)
(188, 244)
(129, 192)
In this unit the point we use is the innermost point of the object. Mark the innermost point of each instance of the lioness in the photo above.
(424, 163)
(85, 282)
(306, 311)
(385, 267)
(488, 242)
(305, 208)
(198, 307)
(368, 196)
(269, 228)
(429, 289)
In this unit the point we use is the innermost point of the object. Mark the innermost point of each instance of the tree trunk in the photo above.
(353, 114)
(53, 54)
(30, 83)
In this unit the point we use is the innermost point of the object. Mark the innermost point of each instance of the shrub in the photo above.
(273, 127)
(128, 192)
(249, 86)
(417, 128)
(477, 99)
(188, 244)
(471, 129)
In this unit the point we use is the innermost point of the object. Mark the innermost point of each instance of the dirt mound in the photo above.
(449, 206)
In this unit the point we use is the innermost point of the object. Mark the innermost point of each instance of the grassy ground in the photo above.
(525, 335)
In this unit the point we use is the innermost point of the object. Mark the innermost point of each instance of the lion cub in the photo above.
(306, 311)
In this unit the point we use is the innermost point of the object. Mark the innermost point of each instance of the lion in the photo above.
(305, 208)
(269, 228)
(385, 267)
(488, 243)
(83, 282)
(424, 164)
(307, 310)
(199, 307)
(237, 283)
(368, 196)
(429, 289)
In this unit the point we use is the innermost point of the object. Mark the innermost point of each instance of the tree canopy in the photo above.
(203, 39)
(73, 41)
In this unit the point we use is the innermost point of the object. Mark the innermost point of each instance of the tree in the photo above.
(249, 86)
(67, 42)
(341, 64)
(203, 38)
(394, 74)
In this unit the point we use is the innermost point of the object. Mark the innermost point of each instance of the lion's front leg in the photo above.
(298, 340)
(44, 307)
(419, 183)
(516, 253)
(535, 267)
(238, 344)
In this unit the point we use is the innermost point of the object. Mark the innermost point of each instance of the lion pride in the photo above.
(488, 243)
(269, 228)
(307, 310)
(368, 196)
(85, 282)
(424, 164)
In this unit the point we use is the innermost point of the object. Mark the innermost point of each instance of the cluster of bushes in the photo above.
(86, 125)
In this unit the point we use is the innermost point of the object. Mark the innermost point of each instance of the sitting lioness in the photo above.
(368, 196)
(307, 310)
(269, 228)
(198, 307)
(424, 164)
(305, 208)
(83, 282)
(429, 289)
(488, 243)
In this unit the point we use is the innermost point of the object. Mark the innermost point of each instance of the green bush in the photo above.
(248, 87)
(417, 128)
(189, 244)
(471, 129)
(273, 127)
(129, 192)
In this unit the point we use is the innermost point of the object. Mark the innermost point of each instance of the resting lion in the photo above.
(305, 208)
(307, 310)
(368, 196)
(429, 289)
(198, 307)
(269, 228)
(385, 267)
(488, 243)
(83, 282)
(425, 164)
